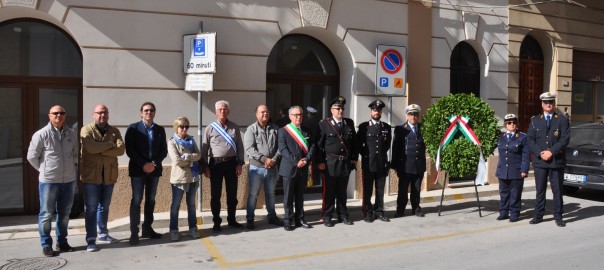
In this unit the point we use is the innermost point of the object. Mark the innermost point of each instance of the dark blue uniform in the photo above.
(409, 161)
(554, 138)
(337, 148)
(514, 158)
(374, 141)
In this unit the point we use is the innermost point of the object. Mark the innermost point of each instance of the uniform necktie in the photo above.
(415, 130)
(509, 136)
(340, 124)
(549, 117)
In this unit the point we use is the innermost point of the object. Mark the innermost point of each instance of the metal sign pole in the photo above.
(389, 151)
(199, 135)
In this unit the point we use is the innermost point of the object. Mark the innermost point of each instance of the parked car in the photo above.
(585, 158)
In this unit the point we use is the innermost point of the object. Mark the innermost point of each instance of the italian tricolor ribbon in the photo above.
(460, 123)
(298, 137)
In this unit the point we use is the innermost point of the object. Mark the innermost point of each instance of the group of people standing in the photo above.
(287, 152)
(548, 135)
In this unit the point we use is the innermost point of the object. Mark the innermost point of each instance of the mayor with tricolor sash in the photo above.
(296, 148)
(222, 157)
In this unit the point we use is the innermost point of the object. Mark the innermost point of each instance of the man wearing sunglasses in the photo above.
(53, 152)
(548, 135)
(337, 155)
(101, 145)
(146, 146)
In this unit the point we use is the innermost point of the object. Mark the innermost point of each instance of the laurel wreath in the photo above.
(460, 157)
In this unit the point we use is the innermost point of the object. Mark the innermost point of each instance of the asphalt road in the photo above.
(458, 239)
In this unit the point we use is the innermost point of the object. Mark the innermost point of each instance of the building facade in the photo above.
(278, 52)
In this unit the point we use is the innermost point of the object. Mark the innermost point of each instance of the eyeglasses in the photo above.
(102, 112)
(58, 113)
(413, 114)
(296, 114)
(337, 108)
(149, 110)
(549, 102)
(511, 123)
(184, 127)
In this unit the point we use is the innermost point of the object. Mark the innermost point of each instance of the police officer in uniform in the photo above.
(548, 134)
(374, 140)
(409, 161)
(512, 168)
(337, 157)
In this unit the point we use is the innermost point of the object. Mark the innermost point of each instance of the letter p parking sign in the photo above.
(199, 47)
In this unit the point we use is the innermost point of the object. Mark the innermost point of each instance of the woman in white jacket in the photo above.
(184, 176)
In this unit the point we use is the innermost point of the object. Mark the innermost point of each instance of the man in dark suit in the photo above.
(337, 156)
(409, 161)
(548, 135)
(146, 146)
(374, 140)
(296, 148)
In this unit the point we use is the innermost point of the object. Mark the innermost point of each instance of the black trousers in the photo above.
(293, 196)
(335, 196)
(223, 170)
(404, 181)
(369, 180)
(555, 176)
(510, 193)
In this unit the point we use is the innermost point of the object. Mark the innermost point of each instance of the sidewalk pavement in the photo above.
(20, 227)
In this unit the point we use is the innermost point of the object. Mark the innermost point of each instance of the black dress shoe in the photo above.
(399, 214)
(502, 217)
(383, 218)
(328, 223)
(347, 221)
(275, 221)
(560, 223)
(419, 214)
(48, 252)
(150, 233)
(250, 225)
(133, 241)
(65, 247)
(535, 220)
(305, 225)
(216, 228)
(369, 219)
(288, 227)
(236, 224)
(514, 219)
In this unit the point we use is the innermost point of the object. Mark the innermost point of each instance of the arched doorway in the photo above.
(465, 70)
(530, 81)
(40, 66)
(301, 71)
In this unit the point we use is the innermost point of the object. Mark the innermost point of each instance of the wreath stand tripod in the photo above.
(442, 195)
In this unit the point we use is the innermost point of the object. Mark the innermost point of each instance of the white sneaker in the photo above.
(194, 233)
(106, 239)
(92, 248)
(174, 236)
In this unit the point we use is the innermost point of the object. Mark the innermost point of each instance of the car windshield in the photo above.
(585, 136)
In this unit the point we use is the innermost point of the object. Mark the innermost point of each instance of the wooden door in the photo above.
(531, 86)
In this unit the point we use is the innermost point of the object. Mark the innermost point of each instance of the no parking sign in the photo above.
(391, 70)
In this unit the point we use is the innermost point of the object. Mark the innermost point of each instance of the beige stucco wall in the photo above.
(559, 28)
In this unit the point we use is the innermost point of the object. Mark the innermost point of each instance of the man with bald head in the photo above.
(101, 145)
(53, 151)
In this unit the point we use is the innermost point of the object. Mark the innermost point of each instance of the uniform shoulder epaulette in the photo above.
(533, 116)
(522, 133)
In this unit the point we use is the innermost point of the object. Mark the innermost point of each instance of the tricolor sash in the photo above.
(298, 137)
(218, 127)
(460, 123)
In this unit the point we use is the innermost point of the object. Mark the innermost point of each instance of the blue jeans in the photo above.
(97, 199)
(268, 178)
(59, 198)
(148, 186)
(177, 195)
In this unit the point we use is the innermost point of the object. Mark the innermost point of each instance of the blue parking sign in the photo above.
(199, 47)
(383, 81)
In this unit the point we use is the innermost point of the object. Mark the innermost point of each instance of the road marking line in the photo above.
(223, 263)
